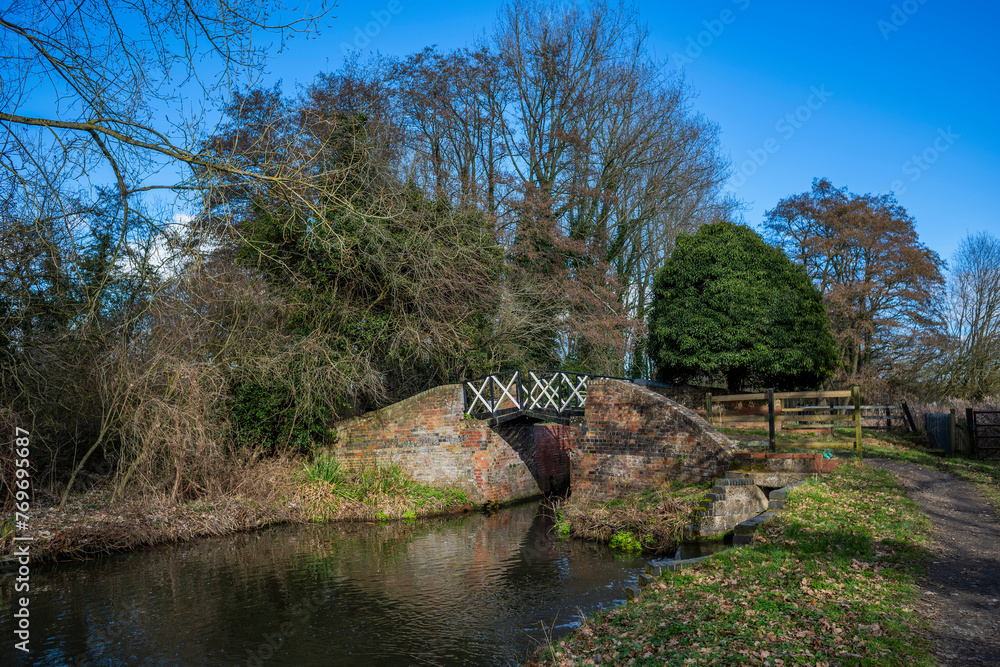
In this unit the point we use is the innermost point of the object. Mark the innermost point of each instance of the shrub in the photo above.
(625, 541)
(324, 468)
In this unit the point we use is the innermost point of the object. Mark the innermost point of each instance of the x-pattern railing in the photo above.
(557, 391)
(543, 393)
(494, 393)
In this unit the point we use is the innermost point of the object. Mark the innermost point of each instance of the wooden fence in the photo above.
(789, 411)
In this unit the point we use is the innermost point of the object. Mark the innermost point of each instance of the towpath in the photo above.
(961, 594)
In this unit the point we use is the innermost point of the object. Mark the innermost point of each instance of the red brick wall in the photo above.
(632, 438)
(428, 437)
(552, 444)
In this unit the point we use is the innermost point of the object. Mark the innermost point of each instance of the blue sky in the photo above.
(877, 96)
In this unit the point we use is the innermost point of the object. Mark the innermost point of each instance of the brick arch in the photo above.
(628, 438)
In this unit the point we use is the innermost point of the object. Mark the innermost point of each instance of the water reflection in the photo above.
(471, 590)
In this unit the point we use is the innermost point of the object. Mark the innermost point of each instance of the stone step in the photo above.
(709, 526)
(743, 532)
(732, 479)
(739, 506)
(769, 479)
(734, 492)
(732, 500)
(658, 567)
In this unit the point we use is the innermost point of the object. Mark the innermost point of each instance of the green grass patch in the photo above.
(625, 541)
(387, 489)
(562, 527)
(832, 581)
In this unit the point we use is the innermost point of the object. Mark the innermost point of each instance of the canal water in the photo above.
(471, 590)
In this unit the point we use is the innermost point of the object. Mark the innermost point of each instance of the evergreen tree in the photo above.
(726, 305)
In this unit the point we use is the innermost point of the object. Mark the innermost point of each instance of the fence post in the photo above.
(888, 418)
(909, 418)
(970, 423)
(770, 419)
(833, 413)
(952, 424)
(708, 407)
(856, 396)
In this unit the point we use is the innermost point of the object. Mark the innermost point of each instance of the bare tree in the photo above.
(862, 252)
(118, 92)
(583, 152)
(960, 356)
(101, 104)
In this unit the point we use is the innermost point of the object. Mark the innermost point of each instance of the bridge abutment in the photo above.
(631, 438)
(628, 438)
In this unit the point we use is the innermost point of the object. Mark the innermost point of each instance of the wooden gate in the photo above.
(986, 426)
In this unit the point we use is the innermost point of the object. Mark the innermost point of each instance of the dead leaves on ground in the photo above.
(832, 583)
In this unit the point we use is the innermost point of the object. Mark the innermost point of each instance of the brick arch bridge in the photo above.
(515, 435)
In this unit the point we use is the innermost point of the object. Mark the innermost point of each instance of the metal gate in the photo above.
(938, 429)
(986, 426)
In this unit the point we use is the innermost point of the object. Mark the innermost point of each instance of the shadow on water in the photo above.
(687, 550)
(471, 590)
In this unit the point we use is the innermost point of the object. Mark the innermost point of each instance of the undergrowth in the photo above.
(386, 489)
(653, 520)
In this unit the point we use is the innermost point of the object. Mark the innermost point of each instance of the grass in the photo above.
(652, 520)
(831, 581)
(381, 492)
(899, 446)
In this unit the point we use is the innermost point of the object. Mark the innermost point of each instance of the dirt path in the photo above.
(961, 595)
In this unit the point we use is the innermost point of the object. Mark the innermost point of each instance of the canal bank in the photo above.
(268, 492)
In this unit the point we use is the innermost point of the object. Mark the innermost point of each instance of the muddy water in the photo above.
(472, 590)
